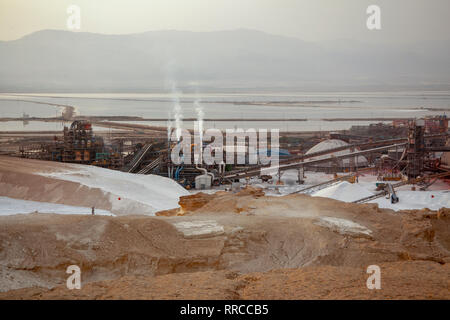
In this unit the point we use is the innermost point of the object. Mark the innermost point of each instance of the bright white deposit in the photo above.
(128, 192)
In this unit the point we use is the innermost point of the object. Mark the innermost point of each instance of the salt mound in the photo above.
(332, 144)
(410, 200)
(326, 145)
(343, 191)
(128, 193)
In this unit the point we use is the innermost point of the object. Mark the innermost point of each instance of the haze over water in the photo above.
(277, 107)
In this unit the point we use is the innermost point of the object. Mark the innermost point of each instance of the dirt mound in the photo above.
(41, 246)
(219, 202)
(194, 202)
(251, 191)
(399, 280)
(36, 249)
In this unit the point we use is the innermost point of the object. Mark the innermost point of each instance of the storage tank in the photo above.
(203, 182)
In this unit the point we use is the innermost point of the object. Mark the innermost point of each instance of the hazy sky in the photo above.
(312, 20)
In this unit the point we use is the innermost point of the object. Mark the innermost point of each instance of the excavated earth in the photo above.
(230, 246)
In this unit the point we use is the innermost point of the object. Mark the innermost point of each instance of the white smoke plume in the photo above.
(200, 117)
(177, 111)
(68, 112)
(169, 126)
(198, 128)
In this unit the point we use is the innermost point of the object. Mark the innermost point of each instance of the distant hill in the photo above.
(52, 60)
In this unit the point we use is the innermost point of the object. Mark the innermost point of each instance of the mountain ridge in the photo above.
(60, 60)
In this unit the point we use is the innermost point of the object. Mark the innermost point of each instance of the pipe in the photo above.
(205, 172)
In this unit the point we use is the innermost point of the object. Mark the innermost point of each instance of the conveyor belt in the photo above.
(152, 165)
(282, 167)
(256, 169)
(328, 183)
(138, 158)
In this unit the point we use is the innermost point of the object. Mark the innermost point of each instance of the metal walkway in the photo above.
(152, 165)
(137, 158)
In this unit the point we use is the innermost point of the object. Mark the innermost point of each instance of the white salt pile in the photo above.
(133, 193)
(343, 191)
(408, 200)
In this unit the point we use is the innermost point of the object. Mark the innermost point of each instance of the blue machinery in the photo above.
(177, 173)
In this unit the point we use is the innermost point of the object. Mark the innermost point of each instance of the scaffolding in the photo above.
(78, 145)
(415, 148)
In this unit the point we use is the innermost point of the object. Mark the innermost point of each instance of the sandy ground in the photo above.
(229, 246)
(399, 281)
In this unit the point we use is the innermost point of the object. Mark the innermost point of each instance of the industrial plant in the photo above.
(415, 153)
(240, 152)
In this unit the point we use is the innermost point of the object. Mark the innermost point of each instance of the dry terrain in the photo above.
(225, 246)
